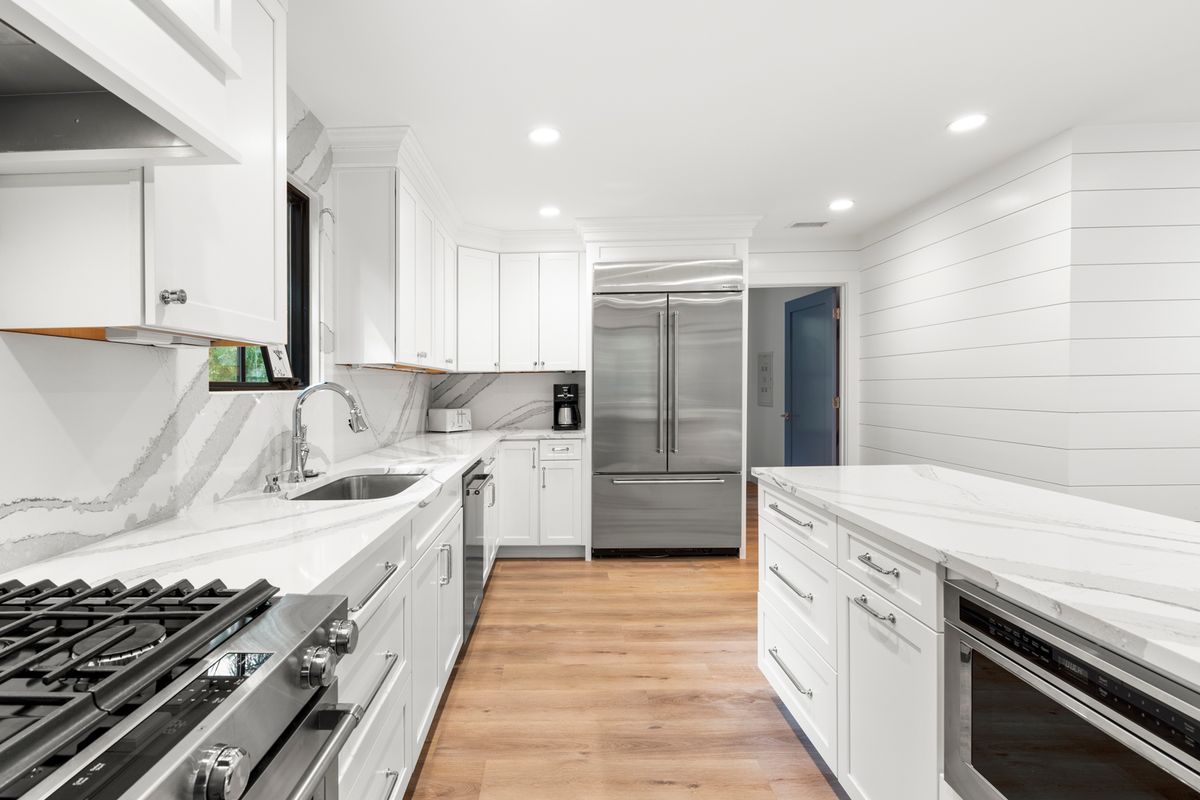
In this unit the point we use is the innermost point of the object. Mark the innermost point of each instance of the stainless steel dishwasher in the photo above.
(477, 495)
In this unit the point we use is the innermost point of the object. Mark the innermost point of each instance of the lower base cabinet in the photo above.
(382, 762)
(888, 699)
(437, 621)
(540, 494)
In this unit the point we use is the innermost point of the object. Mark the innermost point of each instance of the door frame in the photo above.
(818, 270)
(787, 371)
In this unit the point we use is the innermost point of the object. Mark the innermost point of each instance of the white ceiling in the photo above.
(715, 107)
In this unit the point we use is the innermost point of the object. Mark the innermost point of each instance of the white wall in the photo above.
(765, 425)
(1135, 318)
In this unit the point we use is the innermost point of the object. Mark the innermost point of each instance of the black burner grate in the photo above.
(74, 658)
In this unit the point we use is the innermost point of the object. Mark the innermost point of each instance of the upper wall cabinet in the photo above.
(157, 253)
(110, 84)
(539, 312)
(478, 310)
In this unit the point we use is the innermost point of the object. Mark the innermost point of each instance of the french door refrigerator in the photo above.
(667, 406)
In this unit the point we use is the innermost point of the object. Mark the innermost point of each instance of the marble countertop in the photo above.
(293, 544)
(1126, 578)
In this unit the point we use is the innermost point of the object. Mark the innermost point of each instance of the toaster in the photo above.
(449, 420)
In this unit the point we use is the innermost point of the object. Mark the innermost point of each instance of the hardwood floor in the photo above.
(620, 678)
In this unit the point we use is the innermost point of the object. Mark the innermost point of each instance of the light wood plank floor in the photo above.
(621, 678)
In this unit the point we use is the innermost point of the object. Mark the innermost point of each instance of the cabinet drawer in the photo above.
(805, 586)
(907, 580)
(803, 681)
(378, 762)
(559, 449)
(382, 651)
(815, 528)
(433, 514)
(368, 578)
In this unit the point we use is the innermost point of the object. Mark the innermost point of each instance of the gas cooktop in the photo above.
(75, 660)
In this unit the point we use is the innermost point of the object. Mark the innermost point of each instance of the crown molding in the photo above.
(646, 229)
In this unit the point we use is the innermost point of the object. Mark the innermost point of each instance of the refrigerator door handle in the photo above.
(660, 383)
(675, 381)
(643, 481)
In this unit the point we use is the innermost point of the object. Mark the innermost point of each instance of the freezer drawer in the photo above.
(666, 511)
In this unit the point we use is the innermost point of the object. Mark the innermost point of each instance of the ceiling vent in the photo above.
(809, 224)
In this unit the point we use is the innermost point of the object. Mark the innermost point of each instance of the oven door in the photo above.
(1013, 735)
(304, 766)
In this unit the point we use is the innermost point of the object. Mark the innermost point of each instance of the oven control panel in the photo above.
(1152, 716)
(111, 774)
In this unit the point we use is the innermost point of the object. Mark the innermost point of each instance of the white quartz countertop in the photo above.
(294, 545)
(1127, 579)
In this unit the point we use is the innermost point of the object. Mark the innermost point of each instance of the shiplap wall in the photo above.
(1135, 317)
(1041, 322)
(966, 325)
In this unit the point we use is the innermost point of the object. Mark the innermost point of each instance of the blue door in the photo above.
(811, 380)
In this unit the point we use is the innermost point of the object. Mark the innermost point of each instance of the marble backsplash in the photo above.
(516, 400)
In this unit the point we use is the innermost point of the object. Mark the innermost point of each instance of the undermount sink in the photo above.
(360, 486)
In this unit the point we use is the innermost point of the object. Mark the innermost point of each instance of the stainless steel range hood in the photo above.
(46, 105)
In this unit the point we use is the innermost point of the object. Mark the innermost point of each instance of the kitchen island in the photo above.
(854, 561)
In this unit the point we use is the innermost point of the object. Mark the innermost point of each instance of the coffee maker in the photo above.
(566, 407)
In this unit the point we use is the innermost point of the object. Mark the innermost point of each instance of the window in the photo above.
(244, 367)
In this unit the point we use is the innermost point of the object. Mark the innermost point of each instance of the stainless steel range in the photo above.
(170, 692)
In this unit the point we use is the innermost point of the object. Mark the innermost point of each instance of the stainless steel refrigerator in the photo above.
(667, 406)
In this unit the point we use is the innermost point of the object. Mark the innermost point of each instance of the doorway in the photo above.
(795, 356)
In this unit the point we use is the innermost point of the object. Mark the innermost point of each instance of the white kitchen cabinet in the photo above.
(382, 764)
(406, 273)
(205, 252)
(437, 621)
(519, 312)
(364, 237)
(447, 308)
(517, 493)
(560, 503)
(478, 310)
(172, 62)
(220, 232)
(423, 291)
(888, 698)
(559, 318)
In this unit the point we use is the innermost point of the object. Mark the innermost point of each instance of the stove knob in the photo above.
(343, 636)
(223, 774)
(317, 667)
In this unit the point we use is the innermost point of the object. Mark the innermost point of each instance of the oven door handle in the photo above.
(347, 716)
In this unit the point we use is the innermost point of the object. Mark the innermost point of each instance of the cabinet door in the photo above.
(491, 526)
(437, 359)
(423, 293)
(561, 507)
(406, 274)
(887, 698)
(517, 493)
(426, 666)
(559, 317)
(478, 310)
(450, 306)
(218, 233)
(519, 312)
(365, 274)
(450, 603)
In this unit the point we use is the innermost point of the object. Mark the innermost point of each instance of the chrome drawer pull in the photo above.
(803, 595)
(388, 570)
(786, 515)
(393, 659)
(864, 603)
(559, 449)
(393, 780)
(866, 559)
(666, 481)
(774, 651)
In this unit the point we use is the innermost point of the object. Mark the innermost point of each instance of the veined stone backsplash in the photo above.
(518, 400)
(101, 438)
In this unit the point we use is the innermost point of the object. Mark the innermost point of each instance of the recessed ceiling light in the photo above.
(966, 123)
(841, 204)
(549, 211)
(544, 136)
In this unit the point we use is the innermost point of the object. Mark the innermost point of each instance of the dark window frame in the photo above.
(299, 299)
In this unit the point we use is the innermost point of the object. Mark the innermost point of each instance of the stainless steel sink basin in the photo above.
(364, 486)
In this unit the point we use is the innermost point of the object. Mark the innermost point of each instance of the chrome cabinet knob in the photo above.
(318, 667)
(223, 773)
(343, 636)
(169, 296)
